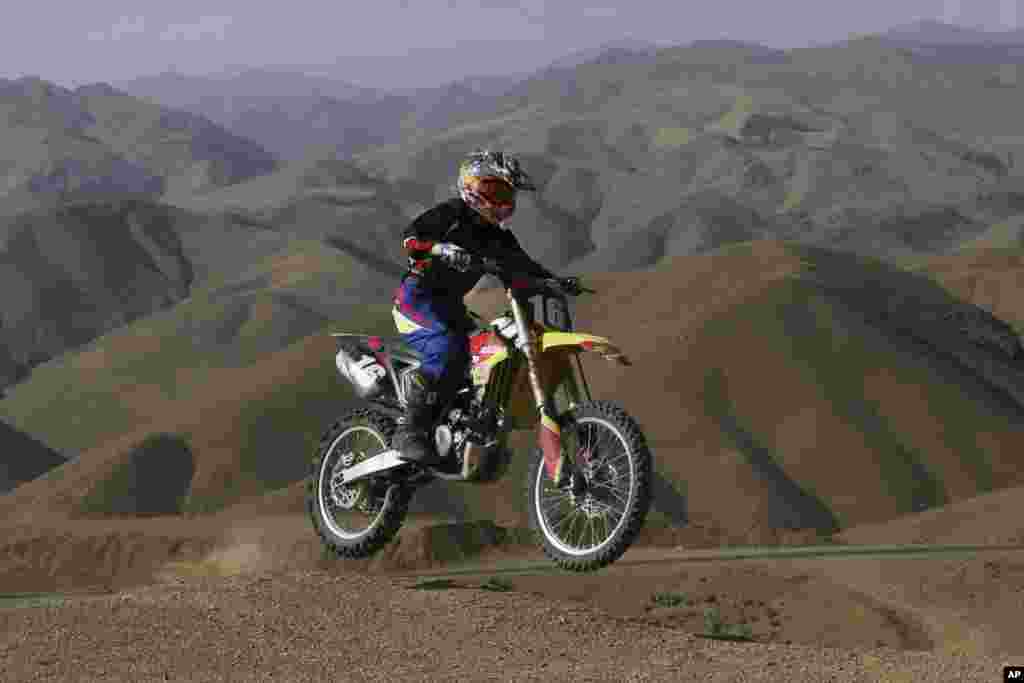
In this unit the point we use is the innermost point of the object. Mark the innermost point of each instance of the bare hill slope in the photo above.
(889, 407)
(98, 142)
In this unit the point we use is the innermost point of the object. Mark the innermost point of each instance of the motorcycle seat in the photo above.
(379, 343)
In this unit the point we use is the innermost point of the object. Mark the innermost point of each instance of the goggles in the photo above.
(496, 191)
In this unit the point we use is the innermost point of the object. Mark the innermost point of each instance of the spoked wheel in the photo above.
(591, 530)
(358, 519)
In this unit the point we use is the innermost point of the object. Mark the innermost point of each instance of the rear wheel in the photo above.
(354, 520)
(590, 531)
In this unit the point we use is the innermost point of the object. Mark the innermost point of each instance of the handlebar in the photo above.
(569, 286)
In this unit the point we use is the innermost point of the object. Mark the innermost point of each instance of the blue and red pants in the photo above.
(437, 326)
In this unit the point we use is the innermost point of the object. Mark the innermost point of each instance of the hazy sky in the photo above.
(411, 42)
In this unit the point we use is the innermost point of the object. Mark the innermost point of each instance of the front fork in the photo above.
(549, 433)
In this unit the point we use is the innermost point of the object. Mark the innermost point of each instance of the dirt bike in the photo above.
(589, 482)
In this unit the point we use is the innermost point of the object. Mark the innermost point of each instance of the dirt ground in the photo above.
(255, 599)
(344, 626)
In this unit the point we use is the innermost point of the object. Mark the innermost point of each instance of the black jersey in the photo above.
(455, 222)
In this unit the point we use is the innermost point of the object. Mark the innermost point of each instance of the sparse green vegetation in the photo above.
(435, 584)
(30, 600)
(672, 137)
(497, 585)
(715, 627)
(793, 199)
(670, 599)
(734, 119)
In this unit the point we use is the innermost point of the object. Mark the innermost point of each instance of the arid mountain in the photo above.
(869, 355)
(934, 42)
(23, 458)
(225, 326)
(73, 273)
(317, 198)
(724, 179)
(854, 147)
(932, 32)
(285, 111)
(893, 404)
(180, 91)
(611, 52)
(84, 268)
(95, 142)
(290, 112)
(682, 152)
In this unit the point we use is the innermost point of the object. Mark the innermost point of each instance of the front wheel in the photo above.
(354, 520)
(590, 531)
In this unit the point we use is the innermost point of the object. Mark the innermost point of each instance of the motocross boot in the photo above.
(412, 437)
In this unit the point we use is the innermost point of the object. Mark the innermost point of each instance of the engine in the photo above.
(468, 421)
(456, 429)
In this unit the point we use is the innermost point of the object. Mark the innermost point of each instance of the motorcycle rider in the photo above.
(429, 311)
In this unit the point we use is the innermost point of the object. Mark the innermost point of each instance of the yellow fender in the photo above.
(587, 342)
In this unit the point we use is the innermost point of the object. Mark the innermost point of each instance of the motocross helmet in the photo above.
(488, 182)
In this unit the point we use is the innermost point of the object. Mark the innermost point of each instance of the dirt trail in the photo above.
(949, 629)
(945, 600)
(341, 626)
(916, 600)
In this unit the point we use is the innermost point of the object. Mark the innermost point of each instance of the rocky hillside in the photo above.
(750, 218)
(932, 32)
(288, 113)
(75, 272)
(856, 147)
(96, 141)
(23, 458)
(320, 198)
(895, 403)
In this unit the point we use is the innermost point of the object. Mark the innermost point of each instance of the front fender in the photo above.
(586, 342)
